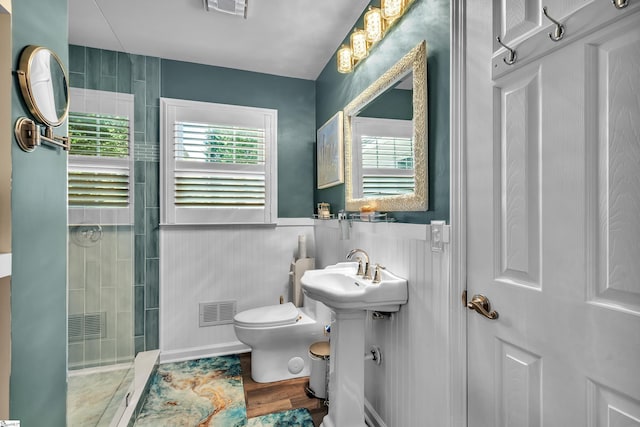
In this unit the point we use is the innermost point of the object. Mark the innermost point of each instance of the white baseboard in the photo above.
(222, 349)
(371, 417)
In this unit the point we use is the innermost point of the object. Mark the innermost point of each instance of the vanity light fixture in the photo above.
(345, 59)
(359, 46)
(392, 9)
(373, 24)
(376, 23)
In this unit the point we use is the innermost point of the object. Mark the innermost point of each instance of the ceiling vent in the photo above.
(231, 7)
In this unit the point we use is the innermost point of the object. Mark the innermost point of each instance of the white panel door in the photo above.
(553, 207)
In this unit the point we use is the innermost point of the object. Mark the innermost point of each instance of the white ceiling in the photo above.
(292, 38)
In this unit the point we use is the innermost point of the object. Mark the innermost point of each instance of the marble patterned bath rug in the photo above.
(291, 418)
(199, 393)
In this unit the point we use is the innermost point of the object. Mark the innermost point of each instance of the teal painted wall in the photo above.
(293, 98)
(425, 20)
(394, 104)
(39, 242)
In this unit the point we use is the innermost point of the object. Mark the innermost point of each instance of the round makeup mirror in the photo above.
(45, 89)
(44, 85)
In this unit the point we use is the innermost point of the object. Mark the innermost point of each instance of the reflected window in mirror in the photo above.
(383, 157)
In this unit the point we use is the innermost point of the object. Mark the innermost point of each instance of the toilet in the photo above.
(280, 336)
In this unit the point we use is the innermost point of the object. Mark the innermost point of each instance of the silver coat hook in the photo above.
(558, 33)
(620, 4)
(511, 59)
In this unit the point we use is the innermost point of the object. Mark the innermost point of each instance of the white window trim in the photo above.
(111, 103)
(172, 110)
(392, 128)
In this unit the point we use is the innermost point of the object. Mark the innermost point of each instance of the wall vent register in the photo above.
(87, 326)
(216, 313)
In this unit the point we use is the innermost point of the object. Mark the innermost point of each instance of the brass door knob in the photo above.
(481, 304)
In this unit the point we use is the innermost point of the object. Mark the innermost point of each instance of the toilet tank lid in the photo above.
(270, 315)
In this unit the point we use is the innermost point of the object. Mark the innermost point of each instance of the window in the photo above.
(101, 156)
(218, 163)
(384, 148)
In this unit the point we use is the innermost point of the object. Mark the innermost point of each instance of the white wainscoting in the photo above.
(249, 264)
(412, 387)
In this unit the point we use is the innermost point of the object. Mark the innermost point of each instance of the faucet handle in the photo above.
(367, 271)
(360, 267)
(378, 273)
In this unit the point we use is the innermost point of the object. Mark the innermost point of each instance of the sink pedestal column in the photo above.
(346, 370)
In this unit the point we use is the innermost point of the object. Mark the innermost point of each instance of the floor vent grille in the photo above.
(217, 313)
(87, 326)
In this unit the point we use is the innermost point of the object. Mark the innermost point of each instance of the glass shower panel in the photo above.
(100, 321)
(100, 295)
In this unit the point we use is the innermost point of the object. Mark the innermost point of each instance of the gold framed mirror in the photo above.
(385, 150)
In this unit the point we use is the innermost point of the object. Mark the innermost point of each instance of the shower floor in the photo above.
(94, 395)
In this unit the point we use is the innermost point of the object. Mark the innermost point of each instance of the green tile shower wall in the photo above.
(91, 68)
(293, 98)
(426, 20)
(39, 242)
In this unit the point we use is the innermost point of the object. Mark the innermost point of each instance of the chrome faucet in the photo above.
(366, 273)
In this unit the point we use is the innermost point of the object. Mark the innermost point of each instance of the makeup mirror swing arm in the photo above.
(29, 137)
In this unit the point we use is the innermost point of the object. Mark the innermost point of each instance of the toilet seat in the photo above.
(270, 315)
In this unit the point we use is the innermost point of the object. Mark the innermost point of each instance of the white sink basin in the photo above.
(338, 287)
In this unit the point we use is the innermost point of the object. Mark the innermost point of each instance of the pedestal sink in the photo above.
(349, 296)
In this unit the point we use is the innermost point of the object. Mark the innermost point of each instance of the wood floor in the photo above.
(264, 399)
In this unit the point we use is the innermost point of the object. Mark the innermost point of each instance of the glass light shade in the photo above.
(359, 44)
(345, 59)
(373, 24)
(392, 9)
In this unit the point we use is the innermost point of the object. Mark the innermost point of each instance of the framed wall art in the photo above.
(330, 152)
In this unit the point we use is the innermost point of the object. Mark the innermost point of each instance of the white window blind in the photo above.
(242, 149)
(99, 135)
(100, 157)
(99, 188)
(218, 163)
(383, 157)
(387, 166)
